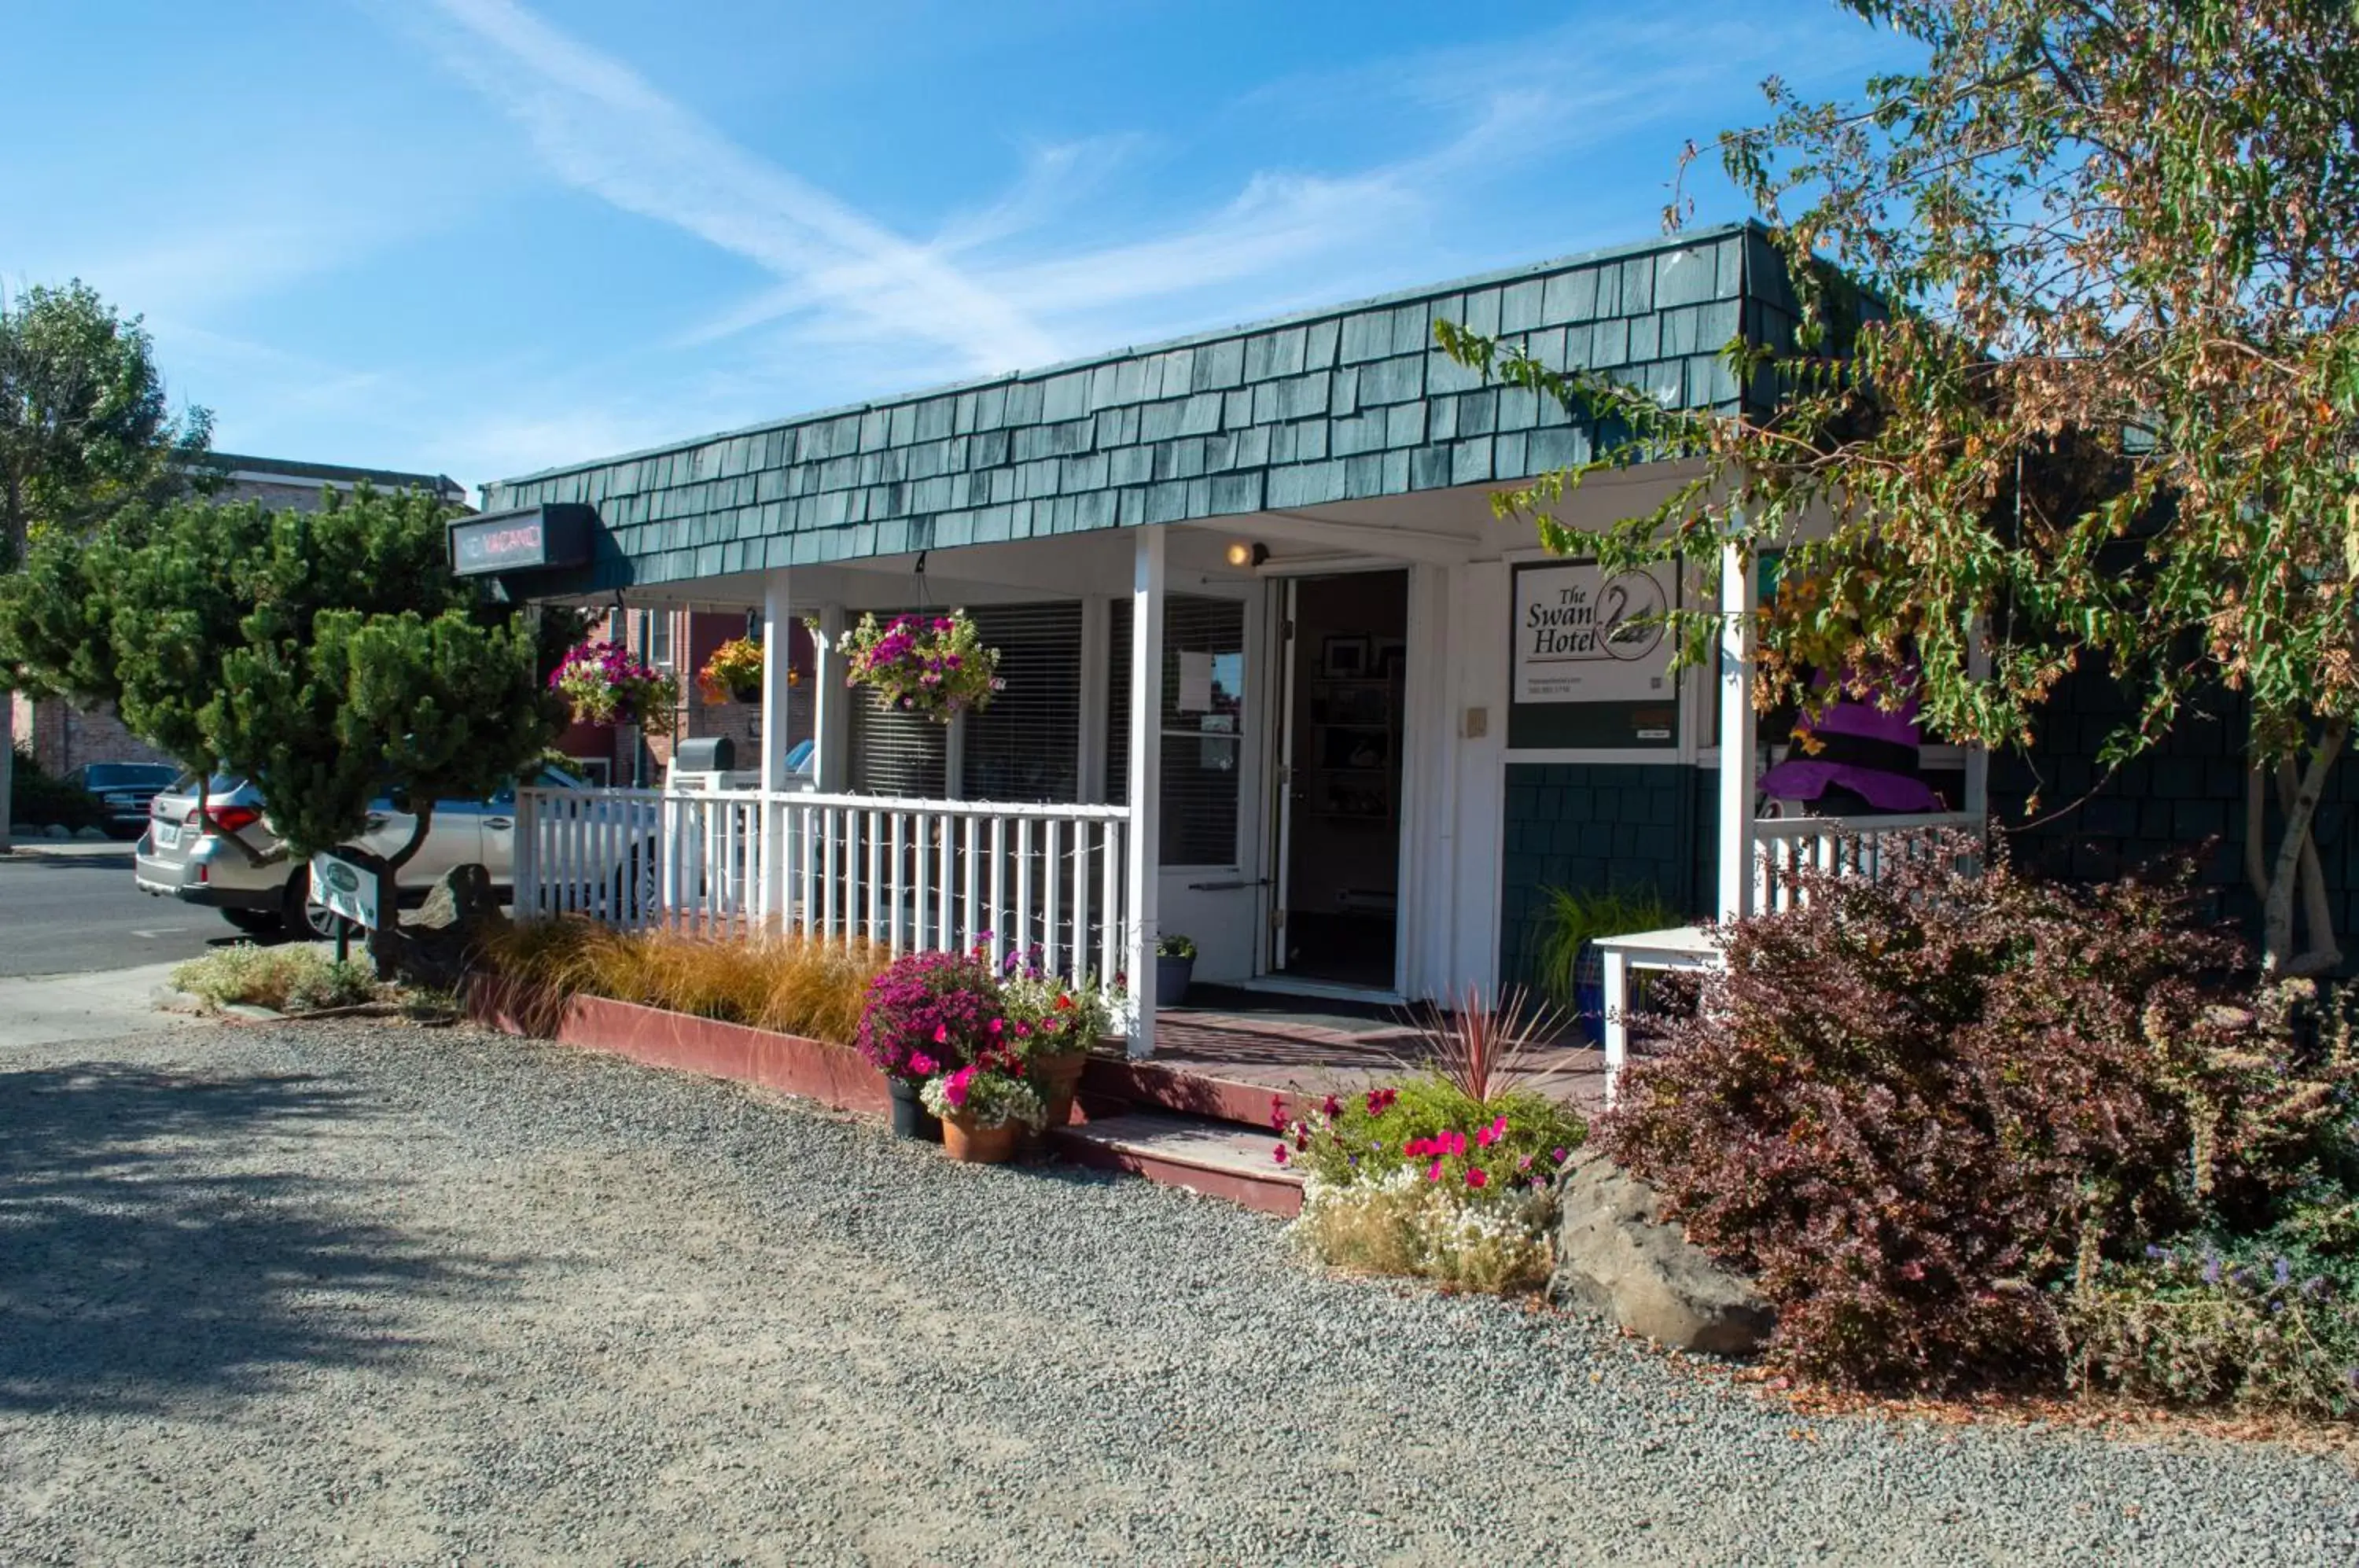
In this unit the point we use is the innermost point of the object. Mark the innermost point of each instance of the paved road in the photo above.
(62, 911)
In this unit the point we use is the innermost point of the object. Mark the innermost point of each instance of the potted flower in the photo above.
(927, 1015)
(604, 685)
(934, 665)
(981, 1110)
(1051, 1026)
(1175, 967)
(733, 673)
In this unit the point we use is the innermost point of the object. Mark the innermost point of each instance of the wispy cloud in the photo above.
(606, 130)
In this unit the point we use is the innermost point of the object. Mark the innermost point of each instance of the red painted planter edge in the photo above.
(793, 1065)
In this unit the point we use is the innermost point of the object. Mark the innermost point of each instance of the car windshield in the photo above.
(119, 775)
(219, 784)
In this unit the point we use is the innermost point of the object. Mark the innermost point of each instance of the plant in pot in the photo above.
(733, 673)
(1175, 967)
(926, 1015)
(604, 685)
(1051, 1025)
(983, 1111)
(934, 665)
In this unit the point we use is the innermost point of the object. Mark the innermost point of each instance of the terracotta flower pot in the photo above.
(1054, 1079)
(962, 1140)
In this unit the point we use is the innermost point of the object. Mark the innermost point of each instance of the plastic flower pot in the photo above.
(973, 1145)
(1172, 978)
(1054, 1079)
(745, 691)
(910, 1117)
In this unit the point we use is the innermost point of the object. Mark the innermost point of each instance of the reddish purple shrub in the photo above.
(1912, 1108)
(930, 1012)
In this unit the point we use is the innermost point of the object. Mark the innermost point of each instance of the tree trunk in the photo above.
(384, 942)
(2276, 909)
(7, 766)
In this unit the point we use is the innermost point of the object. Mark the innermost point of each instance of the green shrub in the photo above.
(2260, 1323)
(293, 979)
(1915, 1108)
(40, 798)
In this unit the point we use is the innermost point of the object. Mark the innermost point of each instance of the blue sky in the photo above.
(483, 237)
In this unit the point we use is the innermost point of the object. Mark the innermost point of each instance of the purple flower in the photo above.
(2210, 1271)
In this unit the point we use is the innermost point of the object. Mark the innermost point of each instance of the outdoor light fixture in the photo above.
(1244, 554)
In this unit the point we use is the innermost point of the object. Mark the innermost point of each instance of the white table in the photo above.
(1676, 947)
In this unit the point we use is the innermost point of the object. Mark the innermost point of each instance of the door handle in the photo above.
(498, 822)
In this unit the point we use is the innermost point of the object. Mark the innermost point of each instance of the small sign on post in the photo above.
(343, 889)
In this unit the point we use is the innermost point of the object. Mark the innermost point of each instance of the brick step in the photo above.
(1216, 1158)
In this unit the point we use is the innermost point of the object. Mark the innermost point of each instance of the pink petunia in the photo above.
(1475, 1178)
(921, 1064)
(954, 1087)
(1281, 1154)
(1433, 1171)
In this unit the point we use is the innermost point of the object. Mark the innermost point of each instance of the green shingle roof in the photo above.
(1332, 405)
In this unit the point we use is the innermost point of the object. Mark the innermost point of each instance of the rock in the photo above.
(1617, 1257)
(58, 831)
(91, 835)
(460, 898)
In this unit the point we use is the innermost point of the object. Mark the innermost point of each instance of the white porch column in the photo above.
(777, 671)
(1739, 600)
(832, 719)
(1145, 866)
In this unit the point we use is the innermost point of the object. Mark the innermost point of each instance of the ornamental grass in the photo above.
(785, 985)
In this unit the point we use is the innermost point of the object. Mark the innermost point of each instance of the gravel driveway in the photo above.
(348, 1292)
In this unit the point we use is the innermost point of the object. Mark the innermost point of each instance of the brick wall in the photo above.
(64, 739)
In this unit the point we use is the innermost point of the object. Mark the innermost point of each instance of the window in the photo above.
(1027, 746)
(1203, 716)
(659, 639)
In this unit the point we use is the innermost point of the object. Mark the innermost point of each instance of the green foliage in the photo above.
(2267, 1323)
(1172, 944)
(291, 979)
(2076, 372)
(38, 799)
(328, 656)
(1418, 1177)
(1574, 918)
(84, 425)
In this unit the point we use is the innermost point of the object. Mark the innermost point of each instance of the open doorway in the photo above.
(1339, 778)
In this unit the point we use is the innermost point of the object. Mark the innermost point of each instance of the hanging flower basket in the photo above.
(733, 673)
(933, 665)
(604, 685)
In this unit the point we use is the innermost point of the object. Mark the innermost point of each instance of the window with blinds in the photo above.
(1027, 746)
(893, 752)
(1202, 717)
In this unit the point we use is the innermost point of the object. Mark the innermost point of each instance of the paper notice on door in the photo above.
(1195, 682)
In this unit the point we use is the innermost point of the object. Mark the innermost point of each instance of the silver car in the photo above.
(228, 858)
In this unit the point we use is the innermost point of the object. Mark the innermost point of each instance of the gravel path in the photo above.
(349, 1292)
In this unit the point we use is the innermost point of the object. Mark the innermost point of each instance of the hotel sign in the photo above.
(1584, 636)
(554, 534)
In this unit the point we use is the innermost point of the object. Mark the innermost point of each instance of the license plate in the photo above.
(168, 836)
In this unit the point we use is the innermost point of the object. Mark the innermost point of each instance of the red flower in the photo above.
(921, 1064)
(1475, 1178)
(1277, 1113)
(1381, 1100)
(1433, 1171)
(1064, 1002)
(1281, 1154)
(1334, 1107)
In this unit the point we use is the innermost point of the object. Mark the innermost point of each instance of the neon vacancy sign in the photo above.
(533, 536)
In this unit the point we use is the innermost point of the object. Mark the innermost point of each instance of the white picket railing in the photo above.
(1861, 846)
(907, 875)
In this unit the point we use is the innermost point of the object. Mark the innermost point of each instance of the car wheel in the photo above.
(255, 922)
(301, 915)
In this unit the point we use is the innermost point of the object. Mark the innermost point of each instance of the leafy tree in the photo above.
(329, 657)
(84, 429)
(2077, 381)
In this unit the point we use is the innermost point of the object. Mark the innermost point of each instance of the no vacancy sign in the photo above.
(1584, 636)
